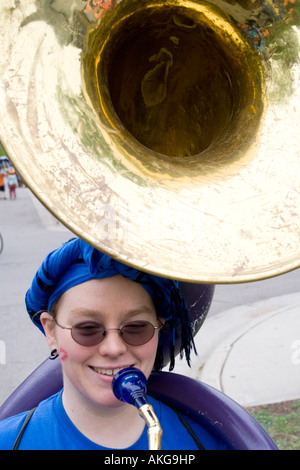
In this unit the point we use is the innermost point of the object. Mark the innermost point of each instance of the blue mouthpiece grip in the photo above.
(130, 385)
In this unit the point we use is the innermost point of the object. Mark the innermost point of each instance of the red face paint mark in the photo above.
(62, 354)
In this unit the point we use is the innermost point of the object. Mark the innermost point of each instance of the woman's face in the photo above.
(112, 302)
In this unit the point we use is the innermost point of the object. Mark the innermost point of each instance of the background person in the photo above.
(2, 186)
(12, 182)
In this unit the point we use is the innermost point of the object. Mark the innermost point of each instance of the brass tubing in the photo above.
(154, 429)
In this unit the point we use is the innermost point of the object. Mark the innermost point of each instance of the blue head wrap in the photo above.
(76, 262)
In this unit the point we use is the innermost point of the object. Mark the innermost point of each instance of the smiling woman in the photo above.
(93, 357)
(99, 317)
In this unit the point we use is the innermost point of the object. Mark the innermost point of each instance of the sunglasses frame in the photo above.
(111, 329)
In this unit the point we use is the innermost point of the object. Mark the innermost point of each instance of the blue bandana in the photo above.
(76, 262)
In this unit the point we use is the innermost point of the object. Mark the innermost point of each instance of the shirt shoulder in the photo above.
(9, 430)
(49, 428)
(35, 429)
(179, 436)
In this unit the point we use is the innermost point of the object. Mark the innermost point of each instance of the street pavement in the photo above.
(248, 347)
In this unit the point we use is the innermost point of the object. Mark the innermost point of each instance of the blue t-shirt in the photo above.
(50, 428)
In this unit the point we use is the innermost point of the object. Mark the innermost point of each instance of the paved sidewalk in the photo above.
(251, 353)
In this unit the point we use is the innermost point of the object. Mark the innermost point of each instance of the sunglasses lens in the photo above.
(88, 333)
(91, 333)
(137, 333)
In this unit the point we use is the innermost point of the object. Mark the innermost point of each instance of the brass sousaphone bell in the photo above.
(164, 133)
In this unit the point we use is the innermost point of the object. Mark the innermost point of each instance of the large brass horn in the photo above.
(165, 133)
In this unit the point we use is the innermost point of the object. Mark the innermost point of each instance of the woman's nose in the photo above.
(112, 344)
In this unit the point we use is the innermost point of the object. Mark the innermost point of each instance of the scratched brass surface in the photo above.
(165, 133)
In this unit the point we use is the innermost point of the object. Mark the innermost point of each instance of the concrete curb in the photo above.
(251, 353)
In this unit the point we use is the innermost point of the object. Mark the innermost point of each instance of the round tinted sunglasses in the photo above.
(90, 333)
